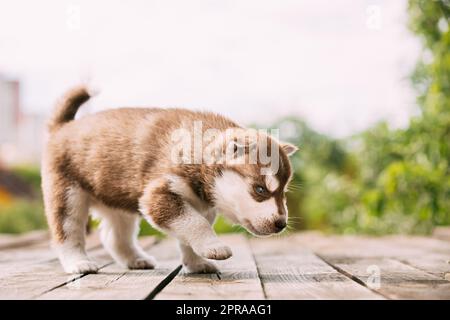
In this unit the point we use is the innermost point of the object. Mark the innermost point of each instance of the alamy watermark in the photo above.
(374, 278)
(73, 17)
(192, 144)
(374, 18)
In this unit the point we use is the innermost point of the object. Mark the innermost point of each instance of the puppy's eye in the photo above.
(260, 190)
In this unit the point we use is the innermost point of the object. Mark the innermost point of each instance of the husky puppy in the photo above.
(130, 163)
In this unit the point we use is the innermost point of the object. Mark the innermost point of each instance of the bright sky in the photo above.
(341, 65)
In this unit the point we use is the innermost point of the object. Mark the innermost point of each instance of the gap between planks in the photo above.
(289, 271)
(303, 266)
(112, 281)
(30, 280)
(396, 267)
(18, 260)
(238, 278)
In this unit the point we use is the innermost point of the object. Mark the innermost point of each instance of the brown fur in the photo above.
(112, 156)
(165, 204)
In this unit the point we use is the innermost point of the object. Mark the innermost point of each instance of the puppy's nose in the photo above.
(280, 224)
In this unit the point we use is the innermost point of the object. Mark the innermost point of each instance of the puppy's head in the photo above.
(251, 192)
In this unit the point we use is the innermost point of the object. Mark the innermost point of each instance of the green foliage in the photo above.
(223, 226)
(30, 174)
(22, 216)
(147, 230)
(385, 180)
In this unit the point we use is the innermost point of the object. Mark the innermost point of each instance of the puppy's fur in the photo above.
(118, 163)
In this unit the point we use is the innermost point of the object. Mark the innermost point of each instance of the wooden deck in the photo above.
(299, 266)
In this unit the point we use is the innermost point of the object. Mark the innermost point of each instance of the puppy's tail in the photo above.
(68, 106)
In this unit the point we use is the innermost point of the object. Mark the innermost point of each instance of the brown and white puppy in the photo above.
(130, 163)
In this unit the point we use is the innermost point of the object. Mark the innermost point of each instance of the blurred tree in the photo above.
(385, 180)
(23, 210)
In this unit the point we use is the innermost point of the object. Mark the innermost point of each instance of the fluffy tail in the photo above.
(68, 106)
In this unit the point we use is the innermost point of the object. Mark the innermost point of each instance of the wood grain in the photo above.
(396, 279)
(24, 240)
(306, 265)
(20, 260)
(442, 233)
(288, 271)
(410, 267)
(116, 282)
(238, 277)
(30, 280)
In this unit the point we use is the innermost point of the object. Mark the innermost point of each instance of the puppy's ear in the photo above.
(289, 148)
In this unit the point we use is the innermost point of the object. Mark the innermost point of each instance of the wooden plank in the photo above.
(40, 249)
(115, 282)
(408, 267)
(22, 259)
(36, 279)
(238, 277)
(288, 271)
(33, 280)
(424, 244)
(427, 254)
(23, 240)
(396, 279)
(30, 254)
(350, 245)
(435, 264)
(433, 255)
(442, 233)
(365, 246)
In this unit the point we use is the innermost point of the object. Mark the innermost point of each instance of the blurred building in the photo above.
(20, 133)
(9, 110)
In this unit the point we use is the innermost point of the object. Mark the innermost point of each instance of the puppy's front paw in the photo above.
(81, 266)
(216, 251)
(142, 263)
(200, 266)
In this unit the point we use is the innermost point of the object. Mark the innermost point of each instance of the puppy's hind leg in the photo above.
(66, 207)
(118, 233)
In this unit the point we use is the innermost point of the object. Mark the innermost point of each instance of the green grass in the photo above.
(22, 216)
(30, 174)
